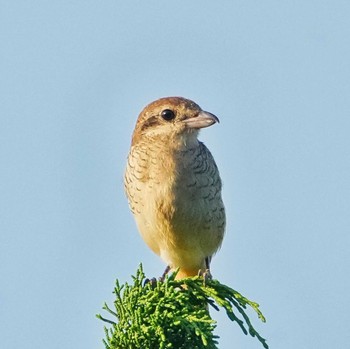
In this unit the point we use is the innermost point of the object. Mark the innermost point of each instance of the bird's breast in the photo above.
(176, 197)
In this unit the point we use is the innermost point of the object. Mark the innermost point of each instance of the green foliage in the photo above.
(173, 313)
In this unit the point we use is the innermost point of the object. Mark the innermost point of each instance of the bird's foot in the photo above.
(206, 275)
(152, 282)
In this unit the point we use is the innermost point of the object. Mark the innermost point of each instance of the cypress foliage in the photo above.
(173, 313)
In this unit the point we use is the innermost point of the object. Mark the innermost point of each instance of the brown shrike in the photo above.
(174, 187)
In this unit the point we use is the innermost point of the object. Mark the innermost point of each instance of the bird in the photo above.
(174, 187)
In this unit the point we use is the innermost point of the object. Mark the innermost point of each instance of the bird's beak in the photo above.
(203, 119)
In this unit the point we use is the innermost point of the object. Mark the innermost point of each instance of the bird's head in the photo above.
(172, 119)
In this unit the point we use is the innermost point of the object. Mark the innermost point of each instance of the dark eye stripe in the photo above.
(150, 122)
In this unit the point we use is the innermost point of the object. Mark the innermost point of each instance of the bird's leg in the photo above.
(166, 271)
(206, 274)
(207, 262)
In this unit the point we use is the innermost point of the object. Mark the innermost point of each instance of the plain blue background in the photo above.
(73, 77)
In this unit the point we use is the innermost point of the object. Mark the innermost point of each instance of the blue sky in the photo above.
(75, 75)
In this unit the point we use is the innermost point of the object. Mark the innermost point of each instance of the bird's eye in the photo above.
(167, 114)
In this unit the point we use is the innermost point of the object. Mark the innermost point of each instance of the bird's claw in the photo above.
(206, 275)
(152, 282)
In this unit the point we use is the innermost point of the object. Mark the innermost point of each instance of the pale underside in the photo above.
(175, 196)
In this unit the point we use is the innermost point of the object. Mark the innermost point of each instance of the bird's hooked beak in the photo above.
(203, 119)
